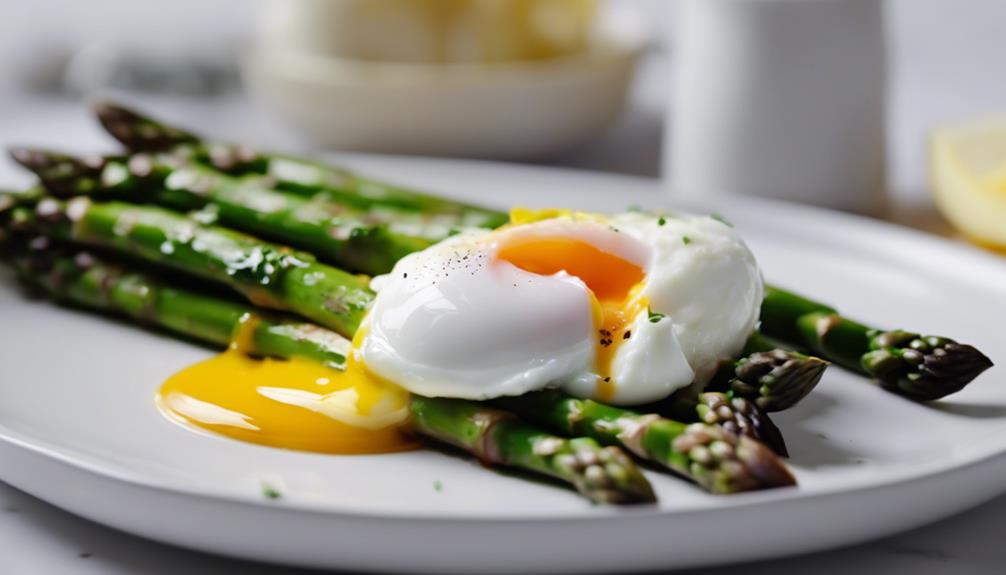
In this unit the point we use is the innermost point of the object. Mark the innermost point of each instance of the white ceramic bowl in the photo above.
(515, 110)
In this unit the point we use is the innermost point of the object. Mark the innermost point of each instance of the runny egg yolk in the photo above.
(295, 404)
(615, 283)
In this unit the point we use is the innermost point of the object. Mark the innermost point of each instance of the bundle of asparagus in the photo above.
(235, 182)
(132, 208)
(715, 458)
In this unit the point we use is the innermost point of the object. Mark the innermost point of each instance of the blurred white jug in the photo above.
(780, 98)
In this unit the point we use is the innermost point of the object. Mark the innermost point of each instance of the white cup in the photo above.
(780, 98)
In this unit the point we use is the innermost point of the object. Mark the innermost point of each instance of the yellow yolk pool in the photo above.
(615, 284)
(294, 404)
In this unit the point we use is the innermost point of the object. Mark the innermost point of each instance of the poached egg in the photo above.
(625, 309)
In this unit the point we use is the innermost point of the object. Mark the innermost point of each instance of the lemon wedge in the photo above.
(968, 175)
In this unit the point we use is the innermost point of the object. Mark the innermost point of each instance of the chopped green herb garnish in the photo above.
(719, 218)
(661, 221)
(270, 492)
(438, 486)
(686, 240)
(653, 316)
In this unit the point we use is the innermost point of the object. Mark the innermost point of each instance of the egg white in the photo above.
(705, 279)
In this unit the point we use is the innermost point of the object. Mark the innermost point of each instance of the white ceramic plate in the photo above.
(79, 427)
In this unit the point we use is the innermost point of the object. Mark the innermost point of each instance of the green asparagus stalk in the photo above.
(919, 367)
(366, 241)
(296, 175)
(711, 456)
(82, 279)
(268, 275)
(602, 474)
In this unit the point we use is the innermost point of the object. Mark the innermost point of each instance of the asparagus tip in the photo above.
(61, 174)
(108, 109)
(922, 367)
(723, 462)
(777, 379)
(135, 131)
(767, 470)
(741, 416)
(20, 154)
(605, 474)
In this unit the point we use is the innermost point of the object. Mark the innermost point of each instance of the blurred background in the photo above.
(691, 91)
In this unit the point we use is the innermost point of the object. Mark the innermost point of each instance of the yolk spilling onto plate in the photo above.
(615, 284)
(295, 404)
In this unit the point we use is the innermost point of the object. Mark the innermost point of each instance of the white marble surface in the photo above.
(946, 64)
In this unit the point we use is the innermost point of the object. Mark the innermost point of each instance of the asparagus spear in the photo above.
(296, 175)
(602, 474)
(269, 275)
(920, 367)
(82, 279)
(368, 241)
(716, 459)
